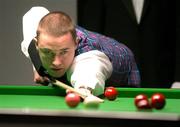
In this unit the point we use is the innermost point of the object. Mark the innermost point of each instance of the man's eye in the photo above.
(47, 52)
(63, 52)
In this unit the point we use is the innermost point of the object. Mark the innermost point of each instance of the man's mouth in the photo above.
(56, 69)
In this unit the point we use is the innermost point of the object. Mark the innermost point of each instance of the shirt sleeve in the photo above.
(90, 70)
(24, 48)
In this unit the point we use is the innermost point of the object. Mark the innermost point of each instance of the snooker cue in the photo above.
(67, 87)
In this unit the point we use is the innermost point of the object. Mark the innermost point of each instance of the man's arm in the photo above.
(90, 70)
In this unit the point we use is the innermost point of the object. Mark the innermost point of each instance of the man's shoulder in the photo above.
(79, 28)
(85, 33)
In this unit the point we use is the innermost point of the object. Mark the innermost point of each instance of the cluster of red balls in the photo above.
(157, 101)
(141, 101)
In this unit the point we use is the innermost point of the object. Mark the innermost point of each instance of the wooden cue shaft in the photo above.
(63, 85)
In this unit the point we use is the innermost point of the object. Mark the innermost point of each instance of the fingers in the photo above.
(42, 80)
(84, 91)
(92, 99)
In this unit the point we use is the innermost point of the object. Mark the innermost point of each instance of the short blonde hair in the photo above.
(56, 23)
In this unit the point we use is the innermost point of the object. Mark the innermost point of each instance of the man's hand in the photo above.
(82, 90)
(39, 79)
(85, 91)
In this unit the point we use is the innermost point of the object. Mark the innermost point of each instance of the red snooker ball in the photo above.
(140, 97)
(158, 101)
(72, 99)
(141, 102)
(111, 93)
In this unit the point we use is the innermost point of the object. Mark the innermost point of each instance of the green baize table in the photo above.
(35, 105)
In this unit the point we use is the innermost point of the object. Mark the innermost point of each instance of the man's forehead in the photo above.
(56, 44)
(47, 36)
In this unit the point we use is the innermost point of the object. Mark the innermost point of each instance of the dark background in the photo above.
(154, 42)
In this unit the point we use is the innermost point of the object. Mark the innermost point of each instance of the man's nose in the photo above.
(57, 60)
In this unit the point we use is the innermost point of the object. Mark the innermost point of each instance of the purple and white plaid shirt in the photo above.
(125, 71)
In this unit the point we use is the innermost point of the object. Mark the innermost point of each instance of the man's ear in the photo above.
(36, 43)
(77, 41)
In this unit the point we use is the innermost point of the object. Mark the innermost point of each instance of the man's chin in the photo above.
(57, 75)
